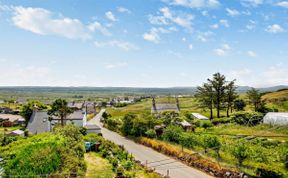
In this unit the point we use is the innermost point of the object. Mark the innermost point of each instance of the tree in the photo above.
(128, 124)
(205, 96)
(212, 142)
(173, 133)
(27, 109)
(219, 85)
(240, 151)
(254, 97)
(231, 95)
(239, 105)
(59, 108)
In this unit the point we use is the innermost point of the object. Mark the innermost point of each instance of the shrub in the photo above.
(247, 118)
(150, 133)
(189, 141)
(206, 124)
(223, 120)
(268, 173)
(210, 142)
(240, 151)
(172, 133)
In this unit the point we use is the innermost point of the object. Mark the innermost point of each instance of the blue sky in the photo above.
(142, 43)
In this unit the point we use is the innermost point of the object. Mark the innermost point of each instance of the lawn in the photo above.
(97, 167)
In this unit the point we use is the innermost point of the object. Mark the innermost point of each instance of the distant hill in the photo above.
(277, 96)
(108, 91)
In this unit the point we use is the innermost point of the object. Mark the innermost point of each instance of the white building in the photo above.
(276, 118)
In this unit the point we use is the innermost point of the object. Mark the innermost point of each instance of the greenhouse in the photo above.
(276, 118)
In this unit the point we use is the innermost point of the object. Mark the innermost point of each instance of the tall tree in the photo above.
(59, 108)
(205, 96)
(231, 95)
(219, 85)
(254, 97)
(27, 109)
(239, 105)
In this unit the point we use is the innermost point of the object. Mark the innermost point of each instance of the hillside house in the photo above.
(159, 108)
(41, 122)
(76, 105)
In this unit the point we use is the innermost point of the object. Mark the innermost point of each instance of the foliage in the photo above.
(205, 96)
(247, 118)
(239, 105)
(128, 124)
(150, 133)
(172, 133)
(210, 142)
(59, 108)
(27, 109)
(240, 151)
(268, 173)
(223, 120)
(231, 95)
(60, 152)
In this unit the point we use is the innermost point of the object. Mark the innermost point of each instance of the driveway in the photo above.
(162, 164)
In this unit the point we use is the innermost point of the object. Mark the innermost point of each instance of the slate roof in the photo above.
(11, 117)
(38, 122)
(164, 107)
(76, 105)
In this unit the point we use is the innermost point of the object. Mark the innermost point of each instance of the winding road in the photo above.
(161, 163)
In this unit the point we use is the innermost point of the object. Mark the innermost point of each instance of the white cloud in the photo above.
(153, 34)
(271, 76)
(169, 17)
(214, 26)
(194, 3)
(224, 22)
(204, 36)
(123, 10)
(190, 46)
(251, 53)
(275, 28)
(252, 2)
(223, 51)
(96, 26)
(251, 25)
(127, 46)
(110, 16)
(41, 21)
(116, 65)
(232, 12)
(283, 4)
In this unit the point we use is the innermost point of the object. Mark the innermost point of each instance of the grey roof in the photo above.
(164, 107)
(76, 105)
(38, 122)
(199, 116)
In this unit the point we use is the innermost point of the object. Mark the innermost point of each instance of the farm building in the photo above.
(198, 116)
(186, 125)
(158, 108)
(76, 105)
(93, 129)
(276, 118)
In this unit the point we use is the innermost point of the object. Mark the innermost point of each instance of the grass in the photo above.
(9, 129)
(97, 167)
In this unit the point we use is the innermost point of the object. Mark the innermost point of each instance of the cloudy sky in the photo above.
(142, 43)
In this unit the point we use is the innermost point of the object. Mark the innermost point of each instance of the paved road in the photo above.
(154, 159)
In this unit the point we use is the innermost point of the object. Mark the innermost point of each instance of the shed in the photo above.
(199, 116)
(93, 129)
(17, 133)
(276, 118)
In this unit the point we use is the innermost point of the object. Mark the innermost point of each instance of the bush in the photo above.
(223, 120)
(268, 173)
(240, 151)
(172, 133)
(150, 133)
(206, 124)
(210, 142)
(247, 118)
